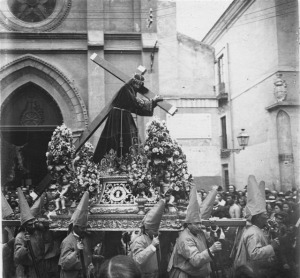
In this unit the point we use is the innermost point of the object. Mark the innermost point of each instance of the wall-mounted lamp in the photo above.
(243, 139)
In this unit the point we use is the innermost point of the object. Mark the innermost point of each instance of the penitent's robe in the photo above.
(23, 259)
(69, 260)
(144, 254)
(190, 256)
(256, 252)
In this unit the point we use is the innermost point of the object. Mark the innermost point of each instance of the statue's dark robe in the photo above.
(120, 121)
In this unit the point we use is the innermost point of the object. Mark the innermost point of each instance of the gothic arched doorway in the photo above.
(28, 118)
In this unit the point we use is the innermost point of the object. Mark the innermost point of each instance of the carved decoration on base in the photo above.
(129, 222)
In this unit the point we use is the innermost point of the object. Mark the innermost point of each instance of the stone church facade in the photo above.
(47, 77)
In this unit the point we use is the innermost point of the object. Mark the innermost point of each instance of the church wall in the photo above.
(76, 21)
(260, 157)
(186, 79)
(251, 48)
(182, 70)
(287, 24)
(256, 47)
(196, 70)
(203, 154)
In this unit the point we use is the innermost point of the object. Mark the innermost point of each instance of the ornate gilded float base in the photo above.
(109, 209)
(114, 222)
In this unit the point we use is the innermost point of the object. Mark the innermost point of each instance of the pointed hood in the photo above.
(25, 212)
(152, 219)
(256, 200)
(193, 209)
(262, 189)
(6, 208)
(38, 205)
(206, 206)
(80, 215)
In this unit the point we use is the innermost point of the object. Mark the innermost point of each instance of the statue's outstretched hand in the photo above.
(157, 99)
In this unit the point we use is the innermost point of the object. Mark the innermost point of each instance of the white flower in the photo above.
(155, 150)
(146, 148)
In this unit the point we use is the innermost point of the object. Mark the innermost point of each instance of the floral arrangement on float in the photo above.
(86, 171)
(156, 167)
(160, 166)
(139, 173)
(167, 162)
(73, 173)
(60, 154)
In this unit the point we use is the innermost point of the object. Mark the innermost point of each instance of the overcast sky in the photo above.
(196, 17)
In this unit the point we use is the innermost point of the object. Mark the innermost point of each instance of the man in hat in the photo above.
(76, 249)
(254, 249)
(120, 131)
(145, 248)
(29, 247)
(191, 256)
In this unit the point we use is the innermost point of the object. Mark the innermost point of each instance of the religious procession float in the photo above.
(121, 189)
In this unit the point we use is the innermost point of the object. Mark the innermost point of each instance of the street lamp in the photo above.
(243, 139)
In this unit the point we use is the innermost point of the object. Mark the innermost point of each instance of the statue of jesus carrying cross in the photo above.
(120, 131)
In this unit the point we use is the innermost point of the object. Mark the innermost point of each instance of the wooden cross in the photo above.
(95, 124)
(169, 108)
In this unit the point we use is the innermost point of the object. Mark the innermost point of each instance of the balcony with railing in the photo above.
(222, 95)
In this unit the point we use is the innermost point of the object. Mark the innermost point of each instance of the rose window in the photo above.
(32, 10)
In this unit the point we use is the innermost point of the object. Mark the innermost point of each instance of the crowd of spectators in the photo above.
(232, 203)
(283, 211)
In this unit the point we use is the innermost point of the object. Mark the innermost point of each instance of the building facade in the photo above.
(257, 84)
(47, 77)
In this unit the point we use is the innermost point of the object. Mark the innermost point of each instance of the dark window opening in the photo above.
(224, 133)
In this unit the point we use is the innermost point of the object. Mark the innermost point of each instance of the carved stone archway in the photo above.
(27, 139)
(29, 68)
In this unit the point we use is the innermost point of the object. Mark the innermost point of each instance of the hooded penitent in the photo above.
(6, 208)
(196, 212)
(80, 215)
(206, 206)
(152, 219)
(38, 205)
(25, 212)
(256, 200)
(193, 209)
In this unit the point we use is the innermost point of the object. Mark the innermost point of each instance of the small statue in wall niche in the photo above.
(280, 88)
